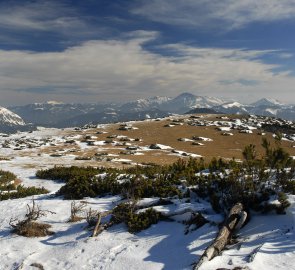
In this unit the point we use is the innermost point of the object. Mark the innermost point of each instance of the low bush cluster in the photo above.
(79, 186)
(67, 173)
(10, 190)
(22, 192)
(6, 177)
(135, 222)
(223, 183)
(141, 182)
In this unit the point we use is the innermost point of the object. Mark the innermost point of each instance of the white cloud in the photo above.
(42, 16)
(285, 55)
(123, 69)
(221, 14)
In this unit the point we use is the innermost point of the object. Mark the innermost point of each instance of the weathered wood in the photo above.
(99, 228)
(96, 228)
(103, 227)
(243, 217)
(235, 220)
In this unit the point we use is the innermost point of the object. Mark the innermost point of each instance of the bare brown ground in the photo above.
(17, 182)
(151, 132)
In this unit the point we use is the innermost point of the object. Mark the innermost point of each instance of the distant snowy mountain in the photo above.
(232, 108)
(232, 105)
(264, 106)
(180, 104)
(58, 114)
(203, 110)
(266, 102)
(144, 104)
(187, 101)
(9, 118)
(51, 113)
(11, 122)
(111, 117)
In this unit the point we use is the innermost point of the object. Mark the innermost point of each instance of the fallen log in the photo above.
(234, 221)
(97, 226)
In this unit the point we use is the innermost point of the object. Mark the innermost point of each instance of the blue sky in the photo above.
(102, 50)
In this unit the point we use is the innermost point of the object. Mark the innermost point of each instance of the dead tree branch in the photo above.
(234, 221)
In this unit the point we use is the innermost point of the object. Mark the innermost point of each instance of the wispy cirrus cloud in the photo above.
(221, 14)
(39, 15)
(123, 69)
(48, 21)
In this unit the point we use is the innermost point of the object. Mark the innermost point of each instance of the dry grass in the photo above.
(29, 227)
(17, 182)
(222, 146)
(33, 229)
(76, 210)
(151, 132)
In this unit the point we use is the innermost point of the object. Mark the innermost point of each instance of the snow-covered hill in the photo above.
(9, 118)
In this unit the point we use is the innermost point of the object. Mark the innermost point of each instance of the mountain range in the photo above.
(11, 122)
(58, 114)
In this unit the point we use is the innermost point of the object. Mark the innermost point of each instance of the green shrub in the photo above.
(224, 183)
(84, 186)
(290, 187)
(67, 173)
(5, 178)
(143, 220)
(215, 202)
(122, 212)
(284, 203)
(22, 192)
(135, 222)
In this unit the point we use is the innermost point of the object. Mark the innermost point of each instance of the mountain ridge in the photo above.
(11, 122)
(58, 114)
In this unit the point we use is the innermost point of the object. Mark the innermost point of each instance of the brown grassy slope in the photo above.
(222, 146)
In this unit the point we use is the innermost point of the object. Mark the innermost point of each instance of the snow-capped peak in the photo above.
(49, 102)
(9, 118)
(267, 102)
(192, 101)
(54, 102)
(145, 104)
(159, 99)
(232, 104)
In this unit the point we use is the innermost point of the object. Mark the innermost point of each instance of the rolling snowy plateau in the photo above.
(266, 242)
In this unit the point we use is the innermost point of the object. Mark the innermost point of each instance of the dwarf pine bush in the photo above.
(223, 183)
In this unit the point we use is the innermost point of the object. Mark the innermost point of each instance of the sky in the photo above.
(120, 50)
